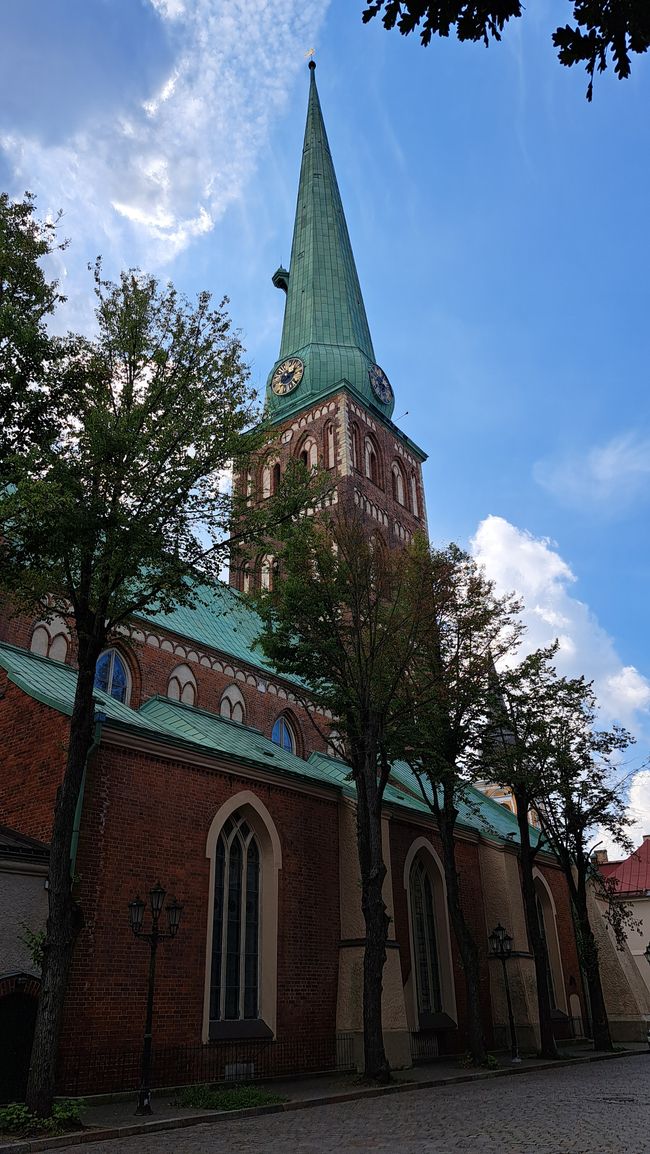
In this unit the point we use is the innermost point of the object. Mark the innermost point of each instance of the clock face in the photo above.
(380, 385)
(287, 376)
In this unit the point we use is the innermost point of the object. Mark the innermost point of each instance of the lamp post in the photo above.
(501, 947)
(136, 918)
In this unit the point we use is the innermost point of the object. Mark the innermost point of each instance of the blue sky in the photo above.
(500, 227)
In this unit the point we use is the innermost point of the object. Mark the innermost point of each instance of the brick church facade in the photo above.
(207, 774)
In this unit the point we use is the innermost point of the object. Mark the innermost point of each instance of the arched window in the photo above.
(232, 704)
(309, 453)
(234, 980)
(276, 477)
(182, 685)
(266, 571)
(249, 486)
(266, 481)
(548, 928)
(245, 857)
(430, 988)
(371, 462)
(354, 446)
(426, 965)
(283, 734)
(51, 640)
(397, 478)
(415, 506)
(112, 675)
(335, 746)
(246, 577)
(330, 446)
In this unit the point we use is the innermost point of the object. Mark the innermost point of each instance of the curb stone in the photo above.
(84, 1137)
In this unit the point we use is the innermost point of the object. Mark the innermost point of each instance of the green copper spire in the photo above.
(325, 325)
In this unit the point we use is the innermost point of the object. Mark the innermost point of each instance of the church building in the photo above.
(206, 775)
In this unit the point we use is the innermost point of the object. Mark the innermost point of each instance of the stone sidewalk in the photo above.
(110, 1119)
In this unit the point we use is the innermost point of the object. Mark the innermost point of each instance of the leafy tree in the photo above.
(29, 356)
(550, 753)
(600, 28)
(118, 510)
(466, 626)
(518, 750)
(344, 616)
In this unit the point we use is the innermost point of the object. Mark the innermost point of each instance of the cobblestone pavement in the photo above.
(603, 1108)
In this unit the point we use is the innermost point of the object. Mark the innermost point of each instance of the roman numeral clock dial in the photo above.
(287, 376)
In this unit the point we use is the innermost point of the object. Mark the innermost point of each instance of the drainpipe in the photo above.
(99, 719)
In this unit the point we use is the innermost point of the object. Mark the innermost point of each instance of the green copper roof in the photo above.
(53, 684)
(325, 320)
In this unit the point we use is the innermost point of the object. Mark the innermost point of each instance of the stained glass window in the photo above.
(234, 984)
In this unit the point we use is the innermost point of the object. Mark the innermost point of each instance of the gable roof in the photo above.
(631, 876)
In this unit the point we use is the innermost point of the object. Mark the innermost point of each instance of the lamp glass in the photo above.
(174, 910)
(136, 914)
(157, 897)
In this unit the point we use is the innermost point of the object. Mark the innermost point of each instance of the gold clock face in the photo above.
(380, 385)
(287, 376)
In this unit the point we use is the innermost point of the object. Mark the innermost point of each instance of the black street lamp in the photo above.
(501, 947)
(136, 918)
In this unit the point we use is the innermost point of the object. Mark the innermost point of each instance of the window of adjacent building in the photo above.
(182, 685)
(330, 446)
(234, 979)
(283, 734)
(397, 478)
(426, 964)
(232, 704)
(112, 675)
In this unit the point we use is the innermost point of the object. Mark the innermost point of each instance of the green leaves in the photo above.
(601, 27)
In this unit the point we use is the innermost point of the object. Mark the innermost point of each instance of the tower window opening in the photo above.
(371, 461)
(415, 507)
(354, 444)
(397, 478)
(330, 447)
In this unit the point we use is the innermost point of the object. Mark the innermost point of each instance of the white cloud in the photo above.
(532, 566)
(140, 185)
(609, 477)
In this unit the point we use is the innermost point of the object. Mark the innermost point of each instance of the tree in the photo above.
(449, 680)
(518, 749)
(601, 28)
(29, 356)
(546, 748)
(581, 796)
(119, 509)
(340, 617)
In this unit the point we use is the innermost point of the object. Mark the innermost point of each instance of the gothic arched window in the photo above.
(234, 976)
(266, 572)
(354, 446)
(415, 506)
(309, 453)
(232, 704)
(426, 965)
(276, 477)
(182, 685)
(112, 675)
(371, 462)
(330, 446)
(246, 578)
(51, 639)
(397, 478)
(283, 734)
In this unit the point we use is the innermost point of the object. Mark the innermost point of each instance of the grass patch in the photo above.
(17, 1119)
(219, 1098)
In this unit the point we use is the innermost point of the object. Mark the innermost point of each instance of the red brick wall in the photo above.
(146, 819)
(565, 932)
(33, 744)
(467, 860)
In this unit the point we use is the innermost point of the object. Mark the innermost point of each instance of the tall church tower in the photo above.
(328, 398)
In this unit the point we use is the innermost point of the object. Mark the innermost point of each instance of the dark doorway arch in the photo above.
(18, 1005)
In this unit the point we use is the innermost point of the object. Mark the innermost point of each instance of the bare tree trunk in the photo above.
(446, 815)
(548, 1048)
(64, 917)
(588, 950)
(373, 872)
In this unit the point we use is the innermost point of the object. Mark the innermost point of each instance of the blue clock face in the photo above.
(380, 385)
